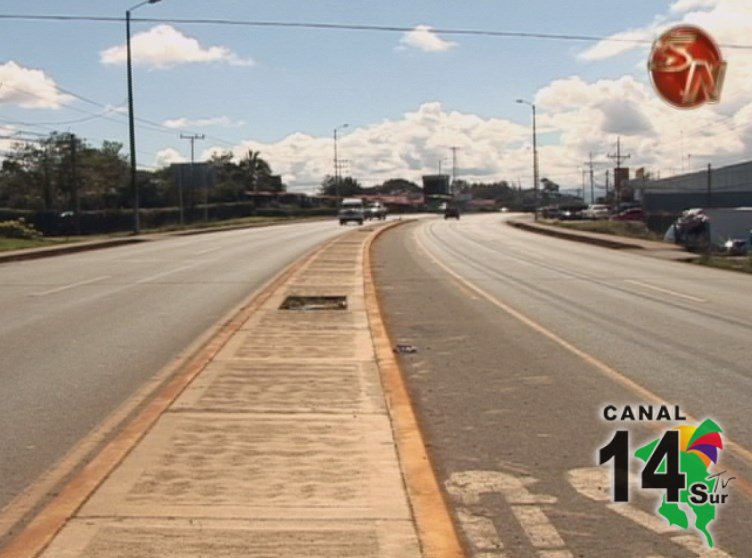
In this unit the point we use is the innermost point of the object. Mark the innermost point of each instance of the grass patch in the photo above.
(7, 244)
(743, 264)
(20, 243)
(630, 229)
(241, 222)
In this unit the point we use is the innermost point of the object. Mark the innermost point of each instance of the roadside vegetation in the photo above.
(630, 229)
(738, 263)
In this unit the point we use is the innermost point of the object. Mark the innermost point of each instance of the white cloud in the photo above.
(183, 122)
(164, 46)
(619, 43)
(688, 5)
(425, 39)
(408, 147)
(168, 156)
(29, 88)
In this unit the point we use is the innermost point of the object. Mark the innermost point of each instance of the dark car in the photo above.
(452, 212)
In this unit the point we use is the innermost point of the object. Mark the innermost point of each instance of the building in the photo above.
(729, 186)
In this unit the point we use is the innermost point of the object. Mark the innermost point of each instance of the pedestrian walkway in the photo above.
(650, 248)
(282, 445)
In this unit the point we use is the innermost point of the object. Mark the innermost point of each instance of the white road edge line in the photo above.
(163, 274)
(71, 286)
(666, 291)
(607, 370)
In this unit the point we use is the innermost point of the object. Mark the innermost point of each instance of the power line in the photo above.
(344, 27)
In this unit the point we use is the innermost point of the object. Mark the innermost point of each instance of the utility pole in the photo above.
(582, 190)
(336, 160)
(710, 183)
(617, 175)
(454, 168)
(608, 174)
(74, 184)
(592, 182)
(193, 138)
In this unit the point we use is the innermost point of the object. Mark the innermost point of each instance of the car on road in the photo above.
(452, 212)
(631, 214)
(375, 210)
(596, 211)
(351, 209)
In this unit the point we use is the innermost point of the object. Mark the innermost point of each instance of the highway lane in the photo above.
(522, 339)
(80, 333)
(684, 332)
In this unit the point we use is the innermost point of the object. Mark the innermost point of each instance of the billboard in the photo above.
(193, 176)
(436, 185)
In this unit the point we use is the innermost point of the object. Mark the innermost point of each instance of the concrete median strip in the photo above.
(281, 444)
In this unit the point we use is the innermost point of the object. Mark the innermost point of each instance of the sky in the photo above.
(407, 96)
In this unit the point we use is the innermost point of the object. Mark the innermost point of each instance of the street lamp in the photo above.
(131, 126)
(336, 161)
(535, 155)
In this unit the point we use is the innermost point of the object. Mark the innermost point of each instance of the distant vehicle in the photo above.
(351, 209)
(633, 214)
(571, 214)
(376, 210)
(452, 212)
(736, 247)
(596, 211)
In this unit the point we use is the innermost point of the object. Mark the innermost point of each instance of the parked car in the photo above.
(633, 214)
(375, 210)
(596, 211)
(351, 209)
(452, 211)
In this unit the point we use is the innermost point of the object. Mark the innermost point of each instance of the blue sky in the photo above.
(406, 100)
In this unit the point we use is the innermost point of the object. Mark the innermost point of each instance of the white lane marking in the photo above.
(555, 554)
(480, 531)
(163, 274)
(538, 528)
(71, 286)
(604, 368)
(209, 251)
(471, 484)
(665, 291)
(468, 486)
(593, 483)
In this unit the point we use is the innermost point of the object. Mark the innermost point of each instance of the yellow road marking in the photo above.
(436, 531)
(608, 371)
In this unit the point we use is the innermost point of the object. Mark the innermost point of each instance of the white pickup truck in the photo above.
(351, 209)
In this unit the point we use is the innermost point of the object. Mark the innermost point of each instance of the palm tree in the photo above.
(256, 169)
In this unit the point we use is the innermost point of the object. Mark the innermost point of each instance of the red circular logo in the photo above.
(686, 67)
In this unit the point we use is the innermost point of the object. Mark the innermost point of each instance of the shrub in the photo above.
(18, 228)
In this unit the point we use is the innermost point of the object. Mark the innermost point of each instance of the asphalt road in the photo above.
(80, 333)
(522, 340)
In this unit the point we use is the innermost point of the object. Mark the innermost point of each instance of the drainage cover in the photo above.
(307, 303)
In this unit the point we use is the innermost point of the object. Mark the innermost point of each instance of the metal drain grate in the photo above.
(309, 303)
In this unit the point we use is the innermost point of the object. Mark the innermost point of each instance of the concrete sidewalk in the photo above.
(650, 248)
(281, 446)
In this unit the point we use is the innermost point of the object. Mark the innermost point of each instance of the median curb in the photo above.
(277, 438)
(85, 246)
(46, 252)
(661, 250)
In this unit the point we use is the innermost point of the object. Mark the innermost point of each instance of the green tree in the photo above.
(256, 170)
(343, 187)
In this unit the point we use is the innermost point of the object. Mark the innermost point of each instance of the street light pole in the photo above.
(131, 125)
(336, 161)
(535, 155)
